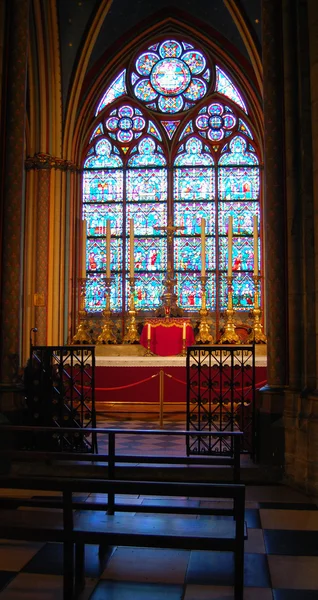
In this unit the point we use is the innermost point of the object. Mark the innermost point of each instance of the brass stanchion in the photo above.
(257, 336)
(161, 396)
(229, 336)
(107, 336)
(82, 336)
(131, 335)
(204, 335)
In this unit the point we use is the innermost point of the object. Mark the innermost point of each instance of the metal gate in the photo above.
(220, 397)
(60, 392)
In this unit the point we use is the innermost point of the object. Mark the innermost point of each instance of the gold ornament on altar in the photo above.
(256, 336)
(107, 336)
(82, 335)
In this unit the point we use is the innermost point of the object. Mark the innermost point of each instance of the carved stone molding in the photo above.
(42, 160)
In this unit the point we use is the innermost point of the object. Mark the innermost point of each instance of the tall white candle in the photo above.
(108, 249)
(131, 246)
(184, 327)
(229, 243)
(149, 332)
(255, 236)
(84, 239)
(203, 259)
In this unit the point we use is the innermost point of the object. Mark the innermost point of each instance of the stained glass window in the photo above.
(172, 142)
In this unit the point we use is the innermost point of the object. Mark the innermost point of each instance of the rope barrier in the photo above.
(124, 387)
(175, 378)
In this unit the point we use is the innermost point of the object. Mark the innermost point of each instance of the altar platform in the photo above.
(129, 381)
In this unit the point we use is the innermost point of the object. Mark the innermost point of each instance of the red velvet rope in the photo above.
(123, 387)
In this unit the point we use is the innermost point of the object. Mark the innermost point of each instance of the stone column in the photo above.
(272, 397)
(13, 176)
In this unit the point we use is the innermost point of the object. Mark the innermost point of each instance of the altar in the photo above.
(167, 336)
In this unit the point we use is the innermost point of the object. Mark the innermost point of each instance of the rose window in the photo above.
(125, 124)
(170, 77)
(215, 122)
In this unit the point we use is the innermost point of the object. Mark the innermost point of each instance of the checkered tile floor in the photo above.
(281, 558)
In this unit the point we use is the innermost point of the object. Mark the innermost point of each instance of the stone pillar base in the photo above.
(270, 431)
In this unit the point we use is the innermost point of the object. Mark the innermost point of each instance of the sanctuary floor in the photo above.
(281, 553)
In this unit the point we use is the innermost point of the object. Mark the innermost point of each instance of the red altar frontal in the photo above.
(153, 380)
(167, 336)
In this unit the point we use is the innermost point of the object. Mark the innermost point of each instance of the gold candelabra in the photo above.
(82, 335)
(204, 336)
(131, 336)
(257, 336)
(107, 336)
(229, 335)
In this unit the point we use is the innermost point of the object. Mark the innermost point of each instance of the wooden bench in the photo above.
(89, 526)
(113, 458)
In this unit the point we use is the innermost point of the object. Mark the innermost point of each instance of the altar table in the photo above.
(166, 335)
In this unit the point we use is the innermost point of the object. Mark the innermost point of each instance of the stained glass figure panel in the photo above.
(147, 185)
(238, 183)
(96, 254)
(96, 293)
(242, 213)
(189, 215)
(148, 290)
(187, 254)
(242, 253)
(188, 290)
(243, 291)
(115, 90)
(103, 186)
(194, 184)
(96, 216)
(146, 217)
(150, 254)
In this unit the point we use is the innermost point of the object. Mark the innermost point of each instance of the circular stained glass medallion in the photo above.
(170, 76)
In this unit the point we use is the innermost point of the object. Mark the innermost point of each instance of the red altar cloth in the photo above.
(166, 335)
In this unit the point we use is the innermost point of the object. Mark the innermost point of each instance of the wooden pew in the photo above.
(76, 528)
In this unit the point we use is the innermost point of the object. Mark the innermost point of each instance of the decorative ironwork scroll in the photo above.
(60, 391)
(220, 397)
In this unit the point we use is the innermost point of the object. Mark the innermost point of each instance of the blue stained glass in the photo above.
(170, 127)
(150, 254)
(242, 254)
(243, 292)
(144, 91)
(193, 154)
(245, 129)
(103, 186)
(115, 90)
(188, 254)
(148, 290)
(133, 78)
(188, 290)
(96, 293)
(147, 185)
(147, 155)
(145, 62)
(189, 215)
(153, 130)
(103, 157)
(195, 60)
(196, 90)
(96, 254)
(236, 183)
(99, 130)
(242, 213)
(170, 48)
(96, 216)
(224, 85)
(147, 216)
(170, 105)
(187, 130)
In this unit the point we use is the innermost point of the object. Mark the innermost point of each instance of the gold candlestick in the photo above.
(131, 336)
(106, 336)
(257, 336)
(82, 336)
(229, 336)
(204, 336)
